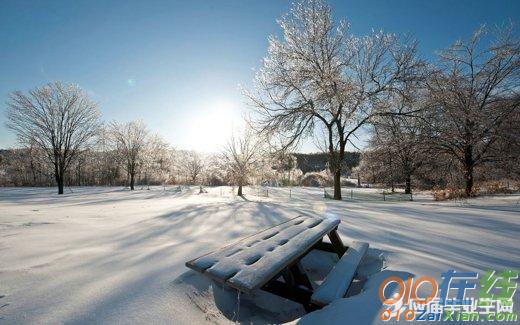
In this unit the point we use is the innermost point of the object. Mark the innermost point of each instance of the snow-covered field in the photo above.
(108, 255)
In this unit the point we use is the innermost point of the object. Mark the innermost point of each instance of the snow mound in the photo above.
(363, 308)
(208, 301)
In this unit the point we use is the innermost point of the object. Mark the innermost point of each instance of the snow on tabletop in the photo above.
(251, 262)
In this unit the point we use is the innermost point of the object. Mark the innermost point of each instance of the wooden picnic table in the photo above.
(257, 261)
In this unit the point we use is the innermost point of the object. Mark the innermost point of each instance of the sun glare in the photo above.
(215, 126)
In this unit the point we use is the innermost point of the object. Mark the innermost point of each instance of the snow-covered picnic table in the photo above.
(257, 261)
(251, 262)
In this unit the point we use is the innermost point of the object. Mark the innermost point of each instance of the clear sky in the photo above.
(178, 64)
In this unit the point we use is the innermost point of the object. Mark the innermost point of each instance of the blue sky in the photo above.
(178, 64)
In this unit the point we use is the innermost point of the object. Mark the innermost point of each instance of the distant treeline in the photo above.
(27, 167)
(316, 162)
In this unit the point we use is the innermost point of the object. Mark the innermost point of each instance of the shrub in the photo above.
(215, 180)
(317, 179)
(348, 183)
(449, 193)
(497, 188)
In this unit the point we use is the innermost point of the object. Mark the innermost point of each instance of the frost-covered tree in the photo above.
(25, 167)
(60, 120)
(155, 159)
(474, 92)
(286, 166)
(36, 161)
(193, 165)
(129, 141)
(508, 148)
(240, 157)
(400, 138)
(377, 166)
(107, 163)
(321, 77)
(214, 174)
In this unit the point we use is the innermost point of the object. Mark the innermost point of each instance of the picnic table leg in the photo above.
(337, 243)
(288, 277)
(296, 286)
(301, 279)
(294, 293)
(300, 276)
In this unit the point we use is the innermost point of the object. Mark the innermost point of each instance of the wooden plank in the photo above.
(338, 281)
(202, 262)
(205, 261)
(288, 277)
(251, 262)
(255, 275)
(300, 276)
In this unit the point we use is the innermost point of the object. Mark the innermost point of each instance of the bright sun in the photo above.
(214, 126)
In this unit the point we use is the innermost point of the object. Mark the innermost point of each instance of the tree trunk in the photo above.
(468, 170)
(60, 185)
(60, 180)
(239, 190)
(391, 174)
(408, 188)
(132, 180)
(358, 180)
(335, 158)
(33, 171)
(58, 175)
(337, 185)
(468, 175)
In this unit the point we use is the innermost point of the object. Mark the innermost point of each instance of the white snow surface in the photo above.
(109, 255)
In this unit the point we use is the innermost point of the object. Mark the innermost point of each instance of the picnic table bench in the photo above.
(258, 261)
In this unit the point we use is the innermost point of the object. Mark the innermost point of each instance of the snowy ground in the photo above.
(108, 255)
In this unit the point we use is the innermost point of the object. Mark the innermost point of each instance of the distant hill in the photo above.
(315, 162)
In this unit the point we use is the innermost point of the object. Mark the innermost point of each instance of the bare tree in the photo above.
(193, 165)
(107, 163)
(401, 137)
(130, 143)
(320, 77)
(59, 119)
(284, 163)
(508, 148)
(377, 165)
(155, 158)
(36, 160)
(214, 174)
(239, 158)
(474, 92)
